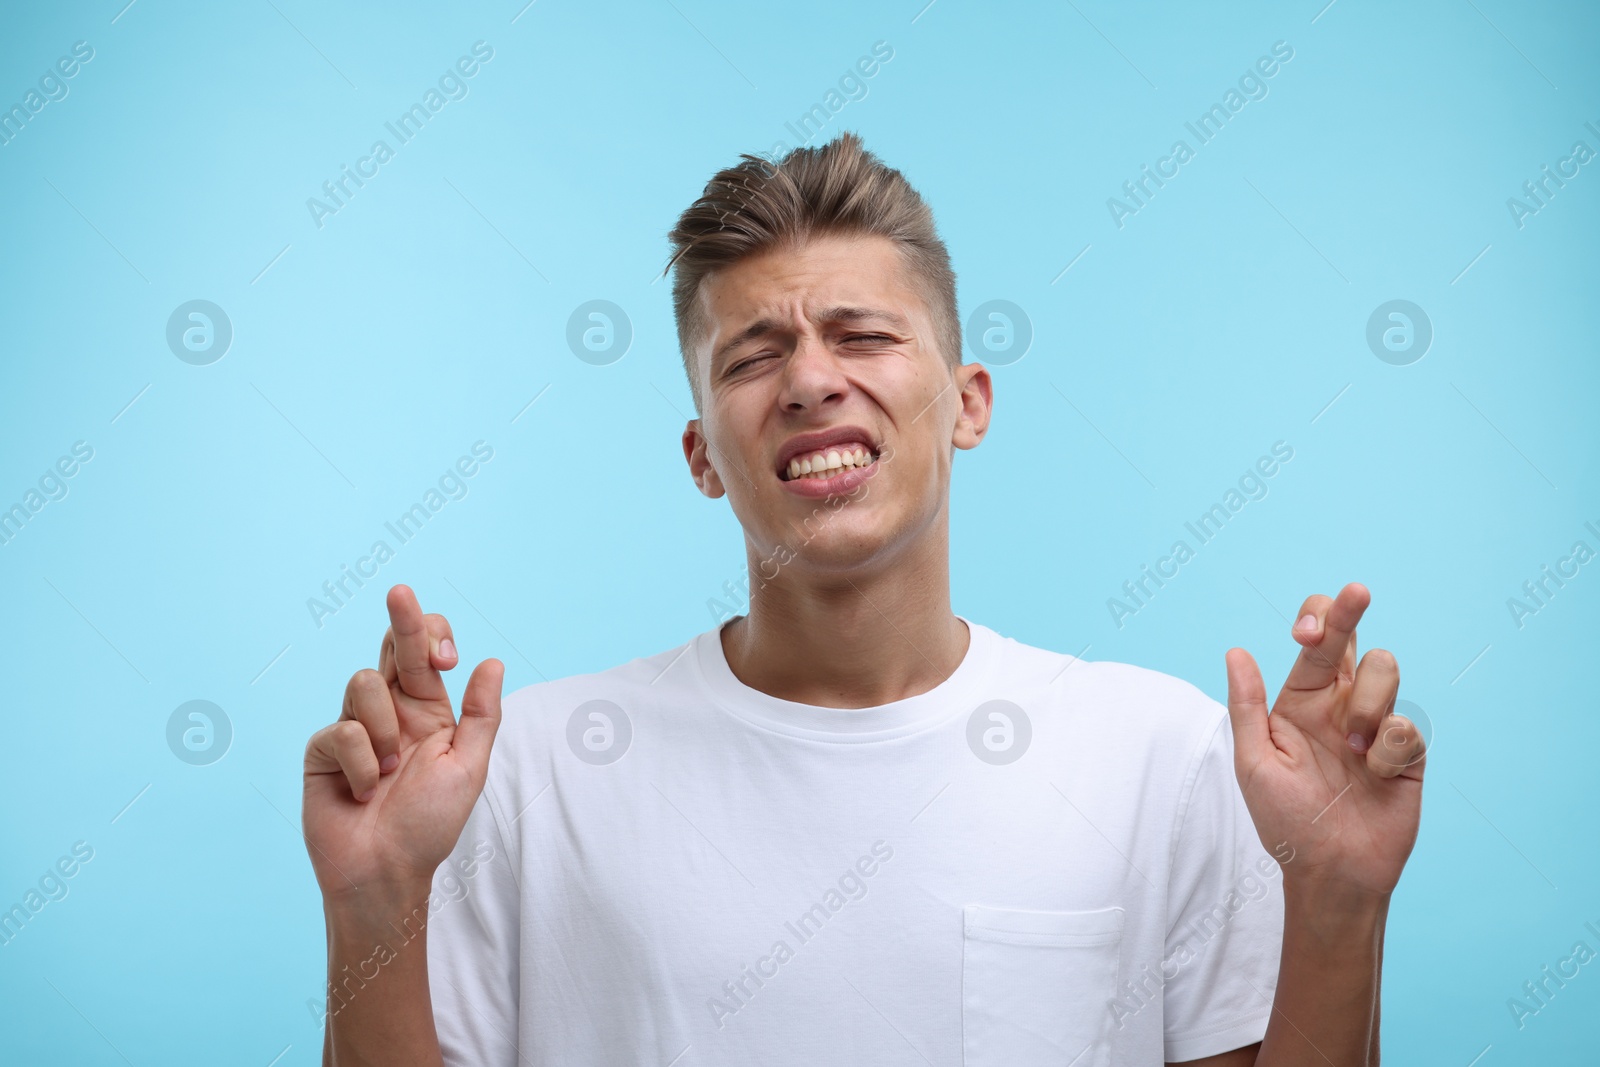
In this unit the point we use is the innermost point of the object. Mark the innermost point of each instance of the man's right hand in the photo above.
(389, 786)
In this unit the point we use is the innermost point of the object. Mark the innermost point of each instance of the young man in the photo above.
(853, 826)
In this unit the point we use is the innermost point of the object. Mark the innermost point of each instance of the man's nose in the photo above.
(813, 375)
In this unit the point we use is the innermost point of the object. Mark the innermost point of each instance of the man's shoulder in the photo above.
(1113, 692)
(641, 675)
(590, 715)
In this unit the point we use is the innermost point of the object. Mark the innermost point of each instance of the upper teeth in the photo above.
(820, 463)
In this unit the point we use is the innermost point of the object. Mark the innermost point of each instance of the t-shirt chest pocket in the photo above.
(1036, 986)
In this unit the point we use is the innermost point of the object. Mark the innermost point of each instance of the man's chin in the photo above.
(824, 546)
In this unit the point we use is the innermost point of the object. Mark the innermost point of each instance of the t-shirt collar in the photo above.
(957, 694)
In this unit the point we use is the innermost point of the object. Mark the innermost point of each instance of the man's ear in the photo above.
(696, 449)
(977, 404)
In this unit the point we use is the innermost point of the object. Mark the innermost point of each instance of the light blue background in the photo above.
(426, 314)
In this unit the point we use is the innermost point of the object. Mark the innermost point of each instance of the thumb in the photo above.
(480, 716)
(1247, 710)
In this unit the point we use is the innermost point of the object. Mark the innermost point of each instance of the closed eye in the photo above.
(742, 364)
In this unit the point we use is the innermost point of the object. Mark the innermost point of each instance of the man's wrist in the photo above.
(377, 910)
(1333, 911)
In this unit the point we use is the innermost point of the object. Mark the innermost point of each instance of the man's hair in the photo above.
(837, 189)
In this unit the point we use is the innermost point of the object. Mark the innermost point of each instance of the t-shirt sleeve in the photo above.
(1226, 901)
(473, 946)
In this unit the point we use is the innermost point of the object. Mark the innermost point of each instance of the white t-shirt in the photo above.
(1042, 860)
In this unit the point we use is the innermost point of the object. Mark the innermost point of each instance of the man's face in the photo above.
(828, 351)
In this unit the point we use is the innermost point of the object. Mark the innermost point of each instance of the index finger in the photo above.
(1324, 649)
(416, 674)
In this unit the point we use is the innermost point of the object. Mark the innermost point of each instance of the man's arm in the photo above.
(388, 789)
(1239, 1057)
(1326, 1008)
(379, 1008)
(1336, 775)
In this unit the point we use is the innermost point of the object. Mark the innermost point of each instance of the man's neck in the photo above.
(849, 640)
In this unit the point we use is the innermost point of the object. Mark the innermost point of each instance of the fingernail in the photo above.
(1357, 742)
(390, 762)
(447, 649)
(368, 795)
(1307, 624)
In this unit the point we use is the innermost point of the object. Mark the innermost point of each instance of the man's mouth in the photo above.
(830, 462)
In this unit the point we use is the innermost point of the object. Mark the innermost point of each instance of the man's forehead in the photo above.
(858, 308)
(843, 289)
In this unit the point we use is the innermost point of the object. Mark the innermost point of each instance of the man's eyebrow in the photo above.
(841, 313)
(858, 315)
